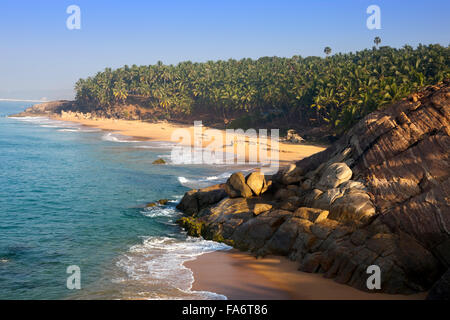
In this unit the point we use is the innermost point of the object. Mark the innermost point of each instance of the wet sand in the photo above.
(164, 131)
(232, 273)
(239, 276)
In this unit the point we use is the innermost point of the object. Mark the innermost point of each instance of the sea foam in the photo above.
(159, 262)
(204, 181)
(117, 138)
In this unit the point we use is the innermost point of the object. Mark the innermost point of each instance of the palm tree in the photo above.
(377, 41)
(336, 91)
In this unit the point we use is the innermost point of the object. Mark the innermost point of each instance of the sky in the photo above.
(40, 57)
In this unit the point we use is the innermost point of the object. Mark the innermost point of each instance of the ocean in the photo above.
(75, 196)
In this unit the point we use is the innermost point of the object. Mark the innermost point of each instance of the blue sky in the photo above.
(40, 57)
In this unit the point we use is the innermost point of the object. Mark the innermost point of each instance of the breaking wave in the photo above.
(157, 267)
(112, 137)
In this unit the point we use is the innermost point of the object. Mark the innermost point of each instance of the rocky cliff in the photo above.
(378, 196)
(46, 108)
(73, 109)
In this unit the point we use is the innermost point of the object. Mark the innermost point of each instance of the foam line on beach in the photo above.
(112, 137)
(159, 262)
(205, 181)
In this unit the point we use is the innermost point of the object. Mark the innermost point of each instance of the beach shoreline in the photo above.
(163, 131)
(240, 276)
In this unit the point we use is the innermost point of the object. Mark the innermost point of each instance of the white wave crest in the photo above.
(69, 130)
(203, 182)
(159, 262)
(160, 211)
(116, 138)
(46, 122)
(156, 145)
(30, 119)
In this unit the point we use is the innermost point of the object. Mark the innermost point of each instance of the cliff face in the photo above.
(379, 196)
(402, 157)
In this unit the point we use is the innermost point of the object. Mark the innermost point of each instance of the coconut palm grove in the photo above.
(298, 92)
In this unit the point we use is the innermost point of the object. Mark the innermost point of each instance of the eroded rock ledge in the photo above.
(380, 195)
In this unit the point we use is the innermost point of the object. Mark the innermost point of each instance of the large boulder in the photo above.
(289, 175)
(253, 234)
(293, 137)
(237, 187)
(352, 207)
(261, 207)
(334, 175)
(326, 199)
(267, 185)
(195, 200)
(256, 182)
(310, 197)
(228, 208)
(284, 238)
(311, 214)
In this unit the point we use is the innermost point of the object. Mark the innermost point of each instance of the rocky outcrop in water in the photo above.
(196, 200)
(159, 161)
(72, 110)
(378, 196)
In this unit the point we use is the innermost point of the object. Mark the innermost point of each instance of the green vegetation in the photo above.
(159, 161)
(377, 41)
(332, 92)
(193, 227)
(219, 238)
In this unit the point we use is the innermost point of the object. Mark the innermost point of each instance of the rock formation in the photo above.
(380, 195)
(293, 137)
(239, 186)
(161, 202)
(159, 161)
(46, 108)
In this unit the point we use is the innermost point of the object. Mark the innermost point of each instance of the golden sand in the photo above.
(164, 131)
(239, 275)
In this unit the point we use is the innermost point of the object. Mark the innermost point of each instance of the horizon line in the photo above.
(22, 100)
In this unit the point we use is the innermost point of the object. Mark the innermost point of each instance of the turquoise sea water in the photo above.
(71, 195)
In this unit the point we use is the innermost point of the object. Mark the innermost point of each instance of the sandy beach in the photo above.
(240, 276)
(232, 273)
(164, 131)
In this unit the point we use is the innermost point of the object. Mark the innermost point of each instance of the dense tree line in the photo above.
(335, 91)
